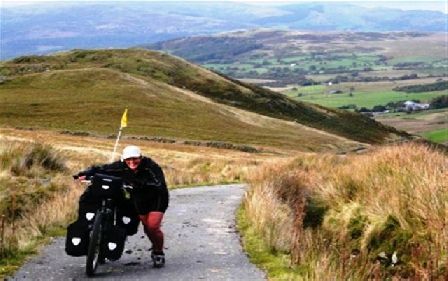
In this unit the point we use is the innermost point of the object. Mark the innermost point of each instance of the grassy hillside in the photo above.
(377, 216)
(165, 97)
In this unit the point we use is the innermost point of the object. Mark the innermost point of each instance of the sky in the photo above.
(438, 5)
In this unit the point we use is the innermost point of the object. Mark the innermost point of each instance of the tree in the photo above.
(350, 94)
(439, 102)
(379, 108)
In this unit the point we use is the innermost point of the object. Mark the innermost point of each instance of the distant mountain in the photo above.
(350, 17)
(169, 97)
(55, 26)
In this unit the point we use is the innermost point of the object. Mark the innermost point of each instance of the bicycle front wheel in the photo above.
(94, 251)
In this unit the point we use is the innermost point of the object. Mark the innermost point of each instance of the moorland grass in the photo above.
(34, 199)
(96, 104)
(381, 215)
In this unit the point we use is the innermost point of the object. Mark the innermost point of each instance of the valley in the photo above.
(355, 71)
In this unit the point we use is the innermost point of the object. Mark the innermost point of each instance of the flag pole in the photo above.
(112, 158)
(124, 123)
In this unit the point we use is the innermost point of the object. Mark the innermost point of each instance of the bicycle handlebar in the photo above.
(89, 181)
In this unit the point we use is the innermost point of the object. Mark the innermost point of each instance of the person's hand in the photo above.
(79, 178)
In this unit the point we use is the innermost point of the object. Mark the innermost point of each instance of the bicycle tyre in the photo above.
(94, 250)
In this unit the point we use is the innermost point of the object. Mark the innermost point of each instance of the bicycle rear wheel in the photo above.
(94, 252)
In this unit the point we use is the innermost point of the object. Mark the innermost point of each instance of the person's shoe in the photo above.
(158, 259)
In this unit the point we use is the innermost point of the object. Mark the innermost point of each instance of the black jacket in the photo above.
(150, 192)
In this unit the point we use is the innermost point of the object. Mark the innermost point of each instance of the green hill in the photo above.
(166, 96)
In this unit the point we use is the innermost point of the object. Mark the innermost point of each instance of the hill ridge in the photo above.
(168, 72)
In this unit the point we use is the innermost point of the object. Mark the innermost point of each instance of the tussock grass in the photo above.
(380, 215)
(35, 198)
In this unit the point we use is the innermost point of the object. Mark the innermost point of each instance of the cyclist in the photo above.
(149, 195)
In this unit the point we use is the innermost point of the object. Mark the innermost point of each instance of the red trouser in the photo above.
(151, 223)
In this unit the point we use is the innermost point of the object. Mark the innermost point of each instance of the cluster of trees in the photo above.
(437, 86)
(354, 77)
(288, 75)
(439, 102)
(435, 103)
(409, 65)
(391, 106)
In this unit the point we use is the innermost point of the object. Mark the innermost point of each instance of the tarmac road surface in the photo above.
(201, 243)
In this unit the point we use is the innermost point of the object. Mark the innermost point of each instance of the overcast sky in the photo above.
(439, 5)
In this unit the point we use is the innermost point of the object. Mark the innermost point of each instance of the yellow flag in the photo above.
(124, 118)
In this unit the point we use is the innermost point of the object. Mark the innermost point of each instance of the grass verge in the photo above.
(378, 216)
(275, 263)
(11, 264)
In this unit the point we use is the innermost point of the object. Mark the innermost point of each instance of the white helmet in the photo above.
(131, 151)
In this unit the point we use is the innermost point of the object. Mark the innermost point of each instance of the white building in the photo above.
(415, 106)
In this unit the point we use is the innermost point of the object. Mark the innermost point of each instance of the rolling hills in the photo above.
(287, 57)
(86, 91)
(347, 70)
(63, 25)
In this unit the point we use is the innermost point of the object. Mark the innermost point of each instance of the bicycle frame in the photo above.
(104, 223)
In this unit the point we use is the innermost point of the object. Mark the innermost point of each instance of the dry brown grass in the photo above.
(20, 233)
(182, 164)
(35, 197)
(54, 196)
(357, 209)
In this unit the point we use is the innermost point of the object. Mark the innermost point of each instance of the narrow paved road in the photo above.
(201, 244)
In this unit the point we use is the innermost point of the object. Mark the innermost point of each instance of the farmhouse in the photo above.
(415, 106)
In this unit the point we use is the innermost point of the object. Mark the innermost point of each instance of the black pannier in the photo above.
(105, 186)
(127, 217)
(87, 211)
(77, 239)
(114, 242)
(128, 221)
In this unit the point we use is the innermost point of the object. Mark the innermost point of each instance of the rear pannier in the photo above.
(114, 242)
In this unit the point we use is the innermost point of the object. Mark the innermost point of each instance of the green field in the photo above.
(425, 59)
(319, 94)
(428, 123)
(439, 136)
(293, 63)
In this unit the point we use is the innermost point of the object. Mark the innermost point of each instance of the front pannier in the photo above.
(77, 239)
(87, 211)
